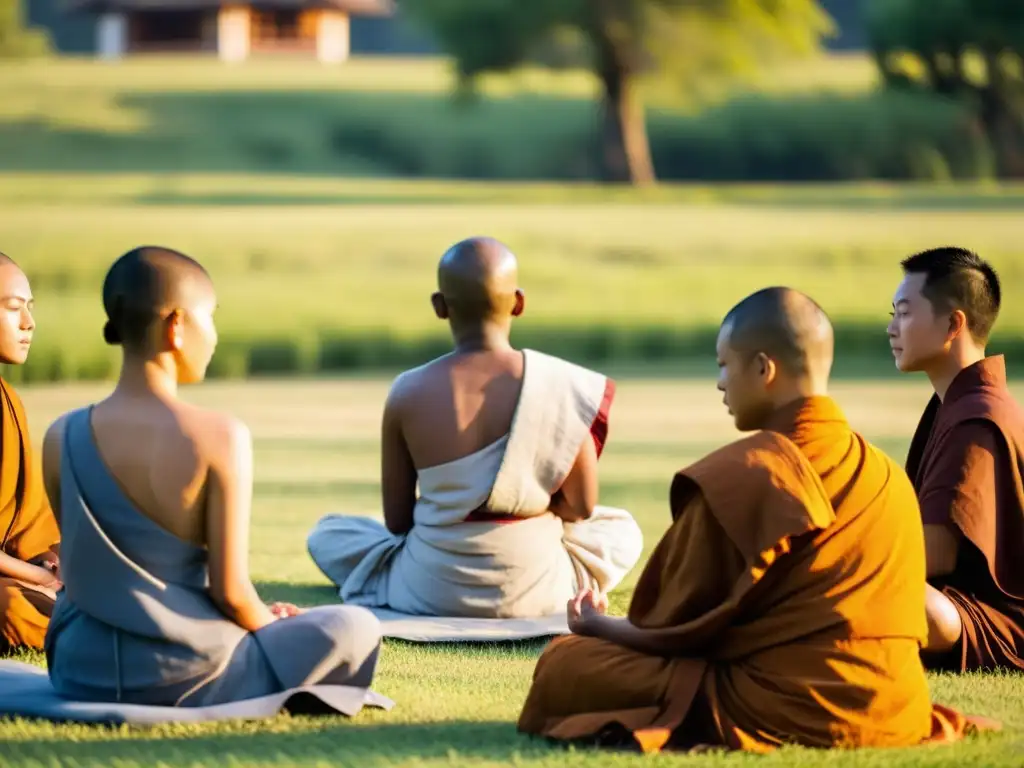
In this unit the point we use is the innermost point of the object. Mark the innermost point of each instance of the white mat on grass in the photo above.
(451, 629)
(25, 691)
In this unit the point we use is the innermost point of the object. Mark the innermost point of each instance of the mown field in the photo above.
(334, 275)
(316, 451)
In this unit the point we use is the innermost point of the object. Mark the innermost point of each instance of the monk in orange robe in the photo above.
(785, 604)
(966, 461)
(29, 568)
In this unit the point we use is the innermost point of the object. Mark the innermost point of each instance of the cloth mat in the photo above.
(451, 629)
(25, 691)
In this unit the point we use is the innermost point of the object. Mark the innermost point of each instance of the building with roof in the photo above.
(233, 30)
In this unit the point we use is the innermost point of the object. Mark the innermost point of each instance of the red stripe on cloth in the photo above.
(599, 429)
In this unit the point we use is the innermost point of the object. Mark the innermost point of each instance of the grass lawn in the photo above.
(371, 117)
(316, 451)
(298, 259)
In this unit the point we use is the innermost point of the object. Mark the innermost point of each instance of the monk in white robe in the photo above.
(503, 445)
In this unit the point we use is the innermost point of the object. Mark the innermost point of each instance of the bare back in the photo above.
(459, 404)
(159, 454)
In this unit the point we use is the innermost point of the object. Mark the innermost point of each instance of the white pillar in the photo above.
(112, 36)
(233, 33)
(332, 37)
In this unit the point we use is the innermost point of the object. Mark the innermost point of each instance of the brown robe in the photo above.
(28, 528)
(967, 465)
(789, 598)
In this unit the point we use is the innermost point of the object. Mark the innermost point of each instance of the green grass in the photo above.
(610, 275)
(370, 117)
(316, 451)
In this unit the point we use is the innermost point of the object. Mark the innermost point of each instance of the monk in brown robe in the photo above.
(785, 604)
(966, 461)
(29, 572)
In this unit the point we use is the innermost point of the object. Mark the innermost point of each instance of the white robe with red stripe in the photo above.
(526, 564)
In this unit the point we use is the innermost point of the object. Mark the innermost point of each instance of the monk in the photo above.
(153, 496)
(966, 461)
(504, 446)
(785, 604)
(29, 540)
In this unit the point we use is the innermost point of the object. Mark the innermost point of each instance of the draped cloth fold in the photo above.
(135, 624)
(967, 465)
(788, 601)
(28, 528)
(484, 543)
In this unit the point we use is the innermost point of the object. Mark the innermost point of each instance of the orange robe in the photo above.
(967, 465)
(28, 528)
(788, 598)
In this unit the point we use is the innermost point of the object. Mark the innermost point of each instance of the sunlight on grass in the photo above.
(457, 705)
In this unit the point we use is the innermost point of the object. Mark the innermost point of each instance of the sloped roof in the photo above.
(355, 7)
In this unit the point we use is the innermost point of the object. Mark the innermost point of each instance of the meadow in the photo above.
(809, 120)
(334, 275)
(316, 451)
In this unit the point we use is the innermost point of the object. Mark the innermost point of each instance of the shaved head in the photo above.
(6, 260)
(787, 326)
(478, 280)
(143, 285)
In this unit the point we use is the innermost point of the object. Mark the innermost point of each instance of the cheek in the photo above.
(10, 322)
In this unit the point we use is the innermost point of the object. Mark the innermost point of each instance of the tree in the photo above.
(623, 40)
(968, 50)
(16, 40)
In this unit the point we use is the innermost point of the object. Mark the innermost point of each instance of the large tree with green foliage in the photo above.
(693, 40)
(969, 50)
(16, 40)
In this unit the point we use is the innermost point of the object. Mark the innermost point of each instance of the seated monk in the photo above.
(785, 604)
(153, 499)
(29, 573)
(504, 446)
(966, 461)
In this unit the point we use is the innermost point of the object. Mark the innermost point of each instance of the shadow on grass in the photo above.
(894, 199)
(298, 594)
(329, 741)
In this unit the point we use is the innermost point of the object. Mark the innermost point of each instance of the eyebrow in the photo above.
(15, 297)
(901, 301)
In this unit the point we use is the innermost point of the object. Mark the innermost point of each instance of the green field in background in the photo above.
(319, 275)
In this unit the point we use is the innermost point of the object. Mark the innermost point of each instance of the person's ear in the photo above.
(175, 330)
(520, 305)
(440, 306)
(766, 369)
(957, 324)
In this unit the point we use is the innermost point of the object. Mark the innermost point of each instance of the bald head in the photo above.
(478, 280)
(143, 285)
(787, 326)
(6, 260)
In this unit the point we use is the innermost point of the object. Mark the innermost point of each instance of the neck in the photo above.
(941, 375)
(486, 337)
(800, 390)
(142, 376)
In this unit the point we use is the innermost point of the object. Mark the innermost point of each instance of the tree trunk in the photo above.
(1003, 118)
(625, 150)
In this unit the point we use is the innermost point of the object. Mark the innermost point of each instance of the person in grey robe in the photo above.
(153, 498)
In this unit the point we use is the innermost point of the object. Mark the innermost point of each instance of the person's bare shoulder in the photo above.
(409, 386)
(53, 441)
(218, 436)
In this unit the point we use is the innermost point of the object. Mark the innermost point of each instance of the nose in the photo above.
(28, 323)
(891, 328)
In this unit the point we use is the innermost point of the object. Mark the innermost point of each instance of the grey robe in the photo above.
(135, 622)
